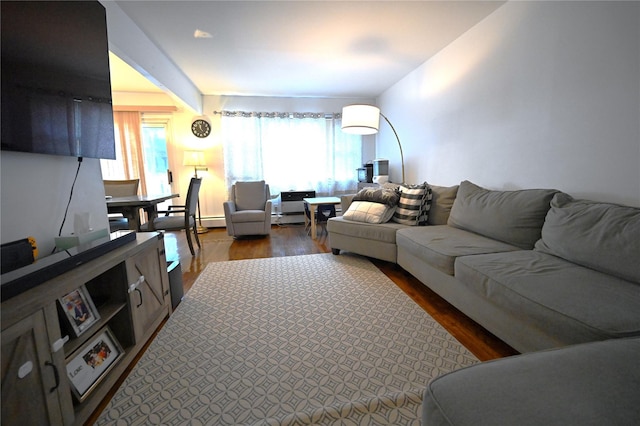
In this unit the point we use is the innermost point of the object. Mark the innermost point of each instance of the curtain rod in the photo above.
(245, 114)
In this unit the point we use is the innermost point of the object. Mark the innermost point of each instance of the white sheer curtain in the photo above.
(290, 151)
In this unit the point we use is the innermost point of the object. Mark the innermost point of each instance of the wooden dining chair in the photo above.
(181, 217)
(120, 188)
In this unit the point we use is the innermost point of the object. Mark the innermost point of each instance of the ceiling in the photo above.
(296, 48)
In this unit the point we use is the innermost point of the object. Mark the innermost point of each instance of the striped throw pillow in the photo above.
(413, 207)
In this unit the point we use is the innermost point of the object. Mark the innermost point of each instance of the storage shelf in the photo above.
(35, 316)
(107, 312)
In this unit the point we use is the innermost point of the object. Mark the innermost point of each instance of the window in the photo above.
(141, 152)
(290, 151)
(156, 158)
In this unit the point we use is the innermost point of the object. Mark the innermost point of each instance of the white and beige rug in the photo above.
(316, 339)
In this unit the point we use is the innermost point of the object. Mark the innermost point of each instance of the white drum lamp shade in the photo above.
(365, 120)
(360, 119)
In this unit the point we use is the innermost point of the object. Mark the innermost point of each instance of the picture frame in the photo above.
(88, 365)
(78, 310)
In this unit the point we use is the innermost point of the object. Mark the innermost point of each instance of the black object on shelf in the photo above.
(30, 276)
(17, 254)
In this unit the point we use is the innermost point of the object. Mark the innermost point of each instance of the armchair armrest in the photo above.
(229, 207)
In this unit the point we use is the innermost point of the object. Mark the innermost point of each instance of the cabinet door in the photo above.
(29, 377)
(148, 289)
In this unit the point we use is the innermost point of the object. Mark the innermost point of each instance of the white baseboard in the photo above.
(218, 221)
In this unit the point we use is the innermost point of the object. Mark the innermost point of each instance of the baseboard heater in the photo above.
(291, 201)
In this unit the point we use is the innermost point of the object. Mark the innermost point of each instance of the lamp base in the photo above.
(202, 230)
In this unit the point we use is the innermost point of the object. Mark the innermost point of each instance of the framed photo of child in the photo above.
(87, 366)
(79, 310)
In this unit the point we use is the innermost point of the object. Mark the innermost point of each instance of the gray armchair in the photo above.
(248, 211)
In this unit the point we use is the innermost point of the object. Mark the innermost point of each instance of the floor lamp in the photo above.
(365, 120)
(197, 161)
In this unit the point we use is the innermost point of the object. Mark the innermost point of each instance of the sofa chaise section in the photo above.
(372, 240)
(595, 383)
(378, 240)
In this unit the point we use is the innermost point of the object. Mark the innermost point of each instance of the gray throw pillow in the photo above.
(388, 197)
(514, 217)
(600, 236)
(441, 202)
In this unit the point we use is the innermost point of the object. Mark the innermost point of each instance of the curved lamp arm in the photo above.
(399, 145)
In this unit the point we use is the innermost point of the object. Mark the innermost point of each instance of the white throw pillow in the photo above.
(369, 212)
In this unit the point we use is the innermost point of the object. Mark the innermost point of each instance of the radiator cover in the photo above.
(291, 201)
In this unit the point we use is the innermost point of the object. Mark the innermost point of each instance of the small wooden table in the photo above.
(313, 203)
(130, 207)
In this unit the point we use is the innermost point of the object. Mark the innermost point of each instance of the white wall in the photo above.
(539, 94)
(35, 191)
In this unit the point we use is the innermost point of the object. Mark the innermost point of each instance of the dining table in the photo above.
(130, 206)
(313, 203)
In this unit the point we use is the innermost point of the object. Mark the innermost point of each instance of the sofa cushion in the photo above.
(250, 195)
(384, 232)
(595, 383)
(441, 202)
(576, 303)
(413, 207)
(602, 236)
(515, 217)
(248, 216)
(345, 201)
(440, 245)
(369, 212)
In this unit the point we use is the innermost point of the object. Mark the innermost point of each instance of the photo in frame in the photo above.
(79, 310)
(89, 364)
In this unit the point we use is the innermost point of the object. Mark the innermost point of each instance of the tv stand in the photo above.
(129, 287)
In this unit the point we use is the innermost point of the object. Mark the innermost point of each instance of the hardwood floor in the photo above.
(292, 240)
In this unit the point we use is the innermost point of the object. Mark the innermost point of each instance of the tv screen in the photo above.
(56, 87)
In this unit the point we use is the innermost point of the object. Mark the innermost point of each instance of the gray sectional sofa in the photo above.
(535, 267)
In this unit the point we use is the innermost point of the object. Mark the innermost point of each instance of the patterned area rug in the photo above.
(316, 339)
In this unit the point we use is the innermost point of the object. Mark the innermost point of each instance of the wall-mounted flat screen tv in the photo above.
(56, 87)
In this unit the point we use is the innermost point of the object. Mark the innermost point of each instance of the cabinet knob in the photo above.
(134, 286)
(58, 344)
(25, 369)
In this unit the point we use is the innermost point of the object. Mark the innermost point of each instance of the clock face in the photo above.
(201, 128)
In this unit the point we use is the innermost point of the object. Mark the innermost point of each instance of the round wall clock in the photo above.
(201, 128)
